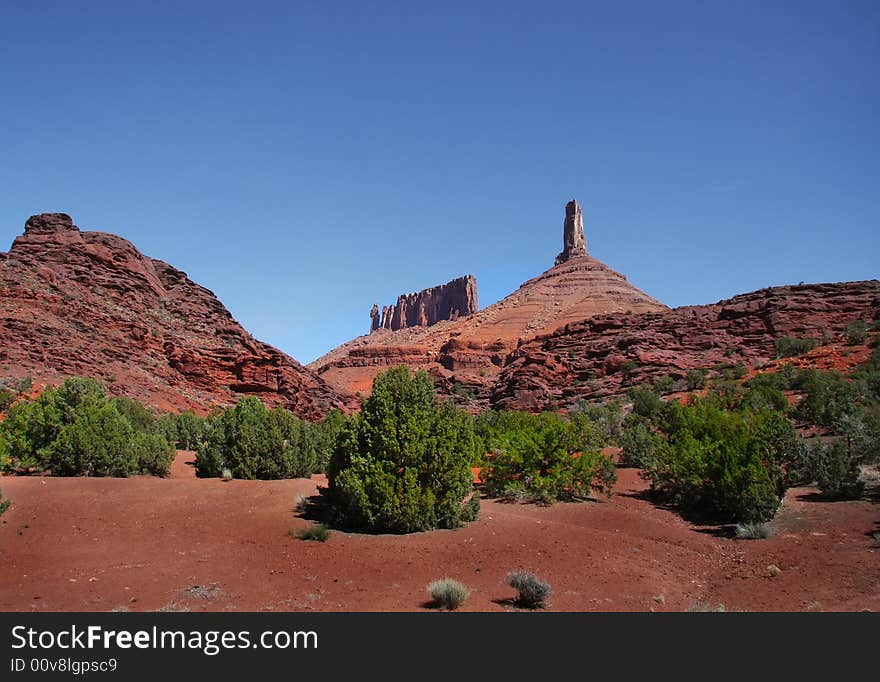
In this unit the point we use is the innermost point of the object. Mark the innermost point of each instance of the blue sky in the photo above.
(306, 159)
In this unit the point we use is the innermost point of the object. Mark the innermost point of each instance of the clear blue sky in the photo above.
(306, 159)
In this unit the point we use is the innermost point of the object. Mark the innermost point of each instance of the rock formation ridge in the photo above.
(449, 301)
(90, 303)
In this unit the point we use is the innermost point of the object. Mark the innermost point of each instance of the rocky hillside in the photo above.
(90, 303)
(604, 355)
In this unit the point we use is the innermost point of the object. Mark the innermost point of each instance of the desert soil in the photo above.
(182, 543)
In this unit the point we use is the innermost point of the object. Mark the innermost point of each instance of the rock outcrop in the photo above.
(449, 301)
(603, 356)
(467, 354)
(573, 241)
(89, 303)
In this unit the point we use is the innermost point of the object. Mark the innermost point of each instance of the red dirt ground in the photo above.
(181, 543)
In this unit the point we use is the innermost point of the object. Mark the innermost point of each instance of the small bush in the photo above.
(471, 510)
(6, 399)
(302, 503)
(4, 504)
(532, 591)
(637, 442)
(740, 370)
(789, 347)
(752, 531)
(646, 402)
(695, 379)
(663, 385)
(838, 473)
(706, 607)
(856, 332)
(317, 532)
(226, 474)
(448, 593)
(828, 397)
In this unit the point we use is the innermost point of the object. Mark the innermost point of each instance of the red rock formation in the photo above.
(573, 241)
(449, 301)
(89, 303)
(471, 350)
(604, 355)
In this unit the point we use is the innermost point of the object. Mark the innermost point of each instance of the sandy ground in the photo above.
(181, 543)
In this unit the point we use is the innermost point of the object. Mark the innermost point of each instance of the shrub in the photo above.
(628, 367)
(606, 417)
(226, 474)
(190, 430)
(471, 510)
(317, 532)
(77, 429)
(4, 504)
(6, 399)
(403, 464)
(838, 473)
(706, 607)
(153, 452)
(740, 370)
(722, 465)
(695, 379)
(663, 385)
(637, 442)
(789, 347)
(856, 332)
(545, 458)
(828, 397)
(256, 442)
(752, 531)
(447, 593)
(97, 443)
(646, 402)
(532, 592)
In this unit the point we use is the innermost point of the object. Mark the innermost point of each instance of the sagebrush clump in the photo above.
(317, 532)
(447, 593)
(532, 592)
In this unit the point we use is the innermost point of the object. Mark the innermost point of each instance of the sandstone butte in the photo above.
(89, 303)
(470, 351)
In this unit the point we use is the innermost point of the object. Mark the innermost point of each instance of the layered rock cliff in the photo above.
(89, 303)
(449, 301)
(606, 354)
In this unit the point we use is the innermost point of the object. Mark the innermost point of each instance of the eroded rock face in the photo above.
(603, 356)
(573, 241)
(449, 301)
(89, 303)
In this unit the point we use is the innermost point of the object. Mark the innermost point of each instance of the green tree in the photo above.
(402, 464)
(97, 442)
